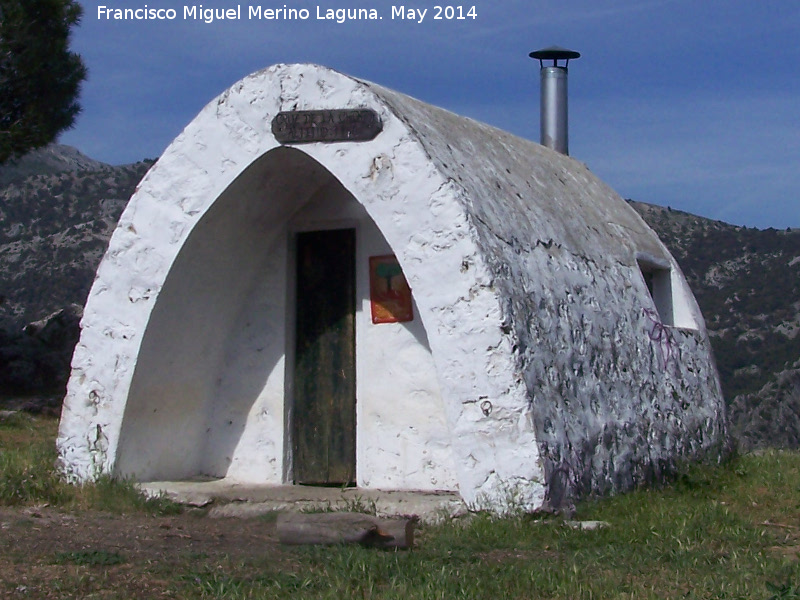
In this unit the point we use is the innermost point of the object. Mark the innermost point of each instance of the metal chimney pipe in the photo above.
(554, 122)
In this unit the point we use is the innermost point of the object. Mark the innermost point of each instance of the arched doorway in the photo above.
(216, 390)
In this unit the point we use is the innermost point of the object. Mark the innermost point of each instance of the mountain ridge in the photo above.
(55, 158)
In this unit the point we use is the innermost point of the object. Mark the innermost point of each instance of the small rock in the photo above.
(587, 525)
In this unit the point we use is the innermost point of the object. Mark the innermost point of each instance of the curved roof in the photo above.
(512, 185)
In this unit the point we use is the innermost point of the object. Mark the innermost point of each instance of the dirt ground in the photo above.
(47, 553)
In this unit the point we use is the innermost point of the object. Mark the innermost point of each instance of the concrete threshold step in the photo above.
(235, 499)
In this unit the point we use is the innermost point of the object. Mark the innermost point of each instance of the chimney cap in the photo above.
(554, 53)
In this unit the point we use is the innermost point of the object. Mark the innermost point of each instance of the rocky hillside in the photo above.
(55, 221)
(57, 211)
(58, 208)
(747, 282)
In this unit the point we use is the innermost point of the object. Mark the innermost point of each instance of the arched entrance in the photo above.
(232, 379)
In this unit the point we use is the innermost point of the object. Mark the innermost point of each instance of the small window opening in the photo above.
(659, 284)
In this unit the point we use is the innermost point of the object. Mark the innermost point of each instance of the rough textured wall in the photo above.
(420, 211)
(413, 206)
(617, 397)
(402, 437)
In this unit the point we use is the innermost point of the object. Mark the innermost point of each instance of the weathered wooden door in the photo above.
(324, 416)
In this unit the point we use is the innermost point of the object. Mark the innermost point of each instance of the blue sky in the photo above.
(691, 104)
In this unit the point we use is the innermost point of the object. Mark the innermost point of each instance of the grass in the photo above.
(92, 558)
(355, 505)
(725, 532)
(28, 475)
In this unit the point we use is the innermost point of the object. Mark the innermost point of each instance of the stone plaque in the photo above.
(340, 125)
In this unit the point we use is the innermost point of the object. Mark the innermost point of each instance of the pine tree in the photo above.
(40, 78)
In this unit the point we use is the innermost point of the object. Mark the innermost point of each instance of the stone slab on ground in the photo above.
(242, 500)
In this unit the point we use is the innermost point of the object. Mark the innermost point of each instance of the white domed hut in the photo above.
(323, 281)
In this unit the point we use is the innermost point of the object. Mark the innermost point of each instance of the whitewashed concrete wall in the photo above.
(213, 365)
(130, 409)
(402, 437)
(523, 267)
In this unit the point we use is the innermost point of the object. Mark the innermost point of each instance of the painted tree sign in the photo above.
(389, 293)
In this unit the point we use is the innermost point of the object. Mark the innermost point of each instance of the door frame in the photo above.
(290, 325)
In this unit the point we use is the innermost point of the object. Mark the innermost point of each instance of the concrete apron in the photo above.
(243, 500)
